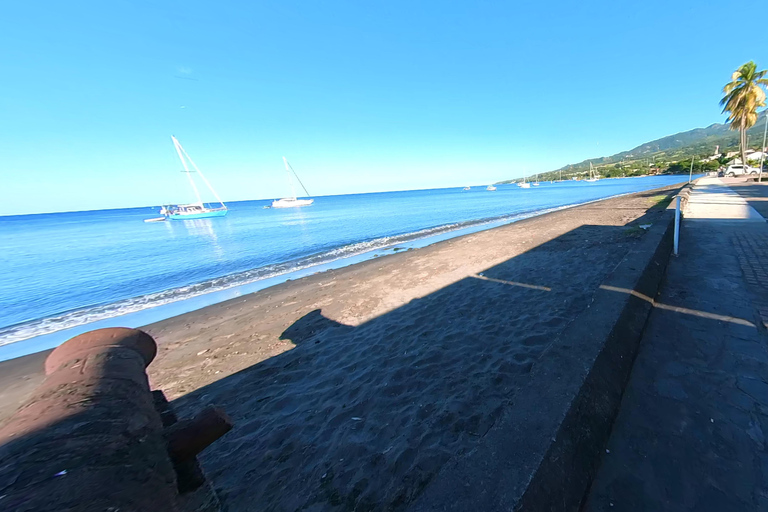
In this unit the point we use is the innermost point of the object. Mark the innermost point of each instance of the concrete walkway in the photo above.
(691, 430)
(711, 199)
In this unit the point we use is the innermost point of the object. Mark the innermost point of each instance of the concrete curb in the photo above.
(542, 454)
(685, 195)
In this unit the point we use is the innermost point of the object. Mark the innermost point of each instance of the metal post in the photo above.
(690, 173)
(677, 225)
(762, 150)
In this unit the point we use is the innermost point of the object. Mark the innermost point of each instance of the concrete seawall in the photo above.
(546, 449)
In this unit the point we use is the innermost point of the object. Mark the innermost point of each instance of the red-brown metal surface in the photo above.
(101, 340)
(188, 438)
(89, 438)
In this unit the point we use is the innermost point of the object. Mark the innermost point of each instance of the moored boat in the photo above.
(198, 210)
(593, 176)
(293, 201)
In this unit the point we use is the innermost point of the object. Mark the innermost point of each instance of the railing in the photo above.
(681, 200)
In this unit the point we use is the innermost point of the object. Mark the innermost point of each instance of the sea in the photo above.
(62, 274)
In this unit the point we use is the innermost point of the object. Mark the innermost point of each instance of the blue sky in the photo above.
(359, 96)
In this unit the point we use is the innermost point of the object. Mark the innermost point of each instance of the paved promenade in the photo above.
(713, 200)
(691, 430)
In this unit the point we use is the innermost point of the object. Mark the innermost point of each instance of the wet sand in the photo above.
(351, 388)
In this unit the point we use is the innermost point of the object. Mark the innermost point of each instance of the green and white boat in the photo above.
(198, 210)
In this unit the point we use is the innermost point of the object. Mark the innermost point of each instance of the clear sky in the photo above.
(360, 96)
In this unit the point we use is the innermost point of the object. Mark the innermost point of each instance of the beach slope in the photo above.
(354, 388)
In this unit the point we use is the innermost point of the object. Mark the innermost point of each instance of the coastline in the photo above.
(342, 365)
(172, 331)
(356, 387)
(175, 307)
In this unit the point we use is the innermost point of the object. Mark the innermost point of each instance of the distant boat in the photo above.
(490, 187)
(196, 210)
(466, 188)
(293, 201)
(536, 183)
(592, 174)
(524, 184)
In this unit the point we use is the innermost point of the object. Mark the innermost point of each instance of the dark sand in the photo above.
(351, 388)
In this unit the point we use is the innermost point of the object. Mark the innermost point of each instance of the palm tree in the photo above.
(742, 97)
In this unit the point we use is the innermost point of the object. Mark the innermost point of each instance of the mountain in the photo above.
(661, 153)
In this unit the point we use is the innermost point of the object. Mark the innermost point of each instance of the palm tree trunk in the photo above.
(743, 144)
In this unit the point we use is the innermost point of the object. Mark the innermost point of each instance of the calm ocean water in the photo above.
(65, 270)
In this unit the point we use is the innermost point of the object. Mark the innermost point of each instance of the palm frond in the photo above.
(743, 95)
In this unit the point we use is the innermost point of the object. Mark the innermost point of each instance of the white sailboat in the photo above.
(490, 187)
(293, 201)
(524, 184)
(536, 183)
(198, 210)
(592, 174)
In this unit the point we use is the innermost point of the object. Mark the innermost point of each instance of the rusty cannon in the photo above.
(94, 437)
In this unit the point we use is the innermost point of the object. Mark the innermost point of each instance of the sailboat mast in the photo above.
(179, 149)
(297, 177)
(290, 180)
(202, 176)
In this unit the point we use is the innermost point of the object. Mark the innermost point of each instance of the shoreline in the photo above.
(396, 365)
(171, 332)
(358, 386)
(172, 308)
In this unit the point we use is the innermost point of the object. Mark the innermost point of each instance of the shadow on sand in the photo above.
(363, 418)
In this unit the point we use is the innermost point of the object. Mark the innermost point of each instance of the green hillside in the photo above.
(668, 154)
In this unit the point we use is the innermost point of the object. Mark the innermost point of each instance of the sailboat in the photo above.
(197, 210)
(536, 183)
(524, 184)
(293, 201)
(592, 174)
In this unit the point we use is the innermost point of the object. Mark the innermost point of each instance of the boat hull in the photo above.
(198, 215)
(291, 203)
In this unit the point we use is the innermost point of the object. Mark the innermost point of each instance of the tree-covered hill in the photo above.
(667, 154)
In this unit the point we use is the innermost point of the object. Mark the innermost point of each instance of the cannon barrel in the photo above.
(90, 436)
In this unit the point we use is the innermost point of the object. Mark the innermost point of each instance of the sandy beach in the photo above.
(350, 389)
